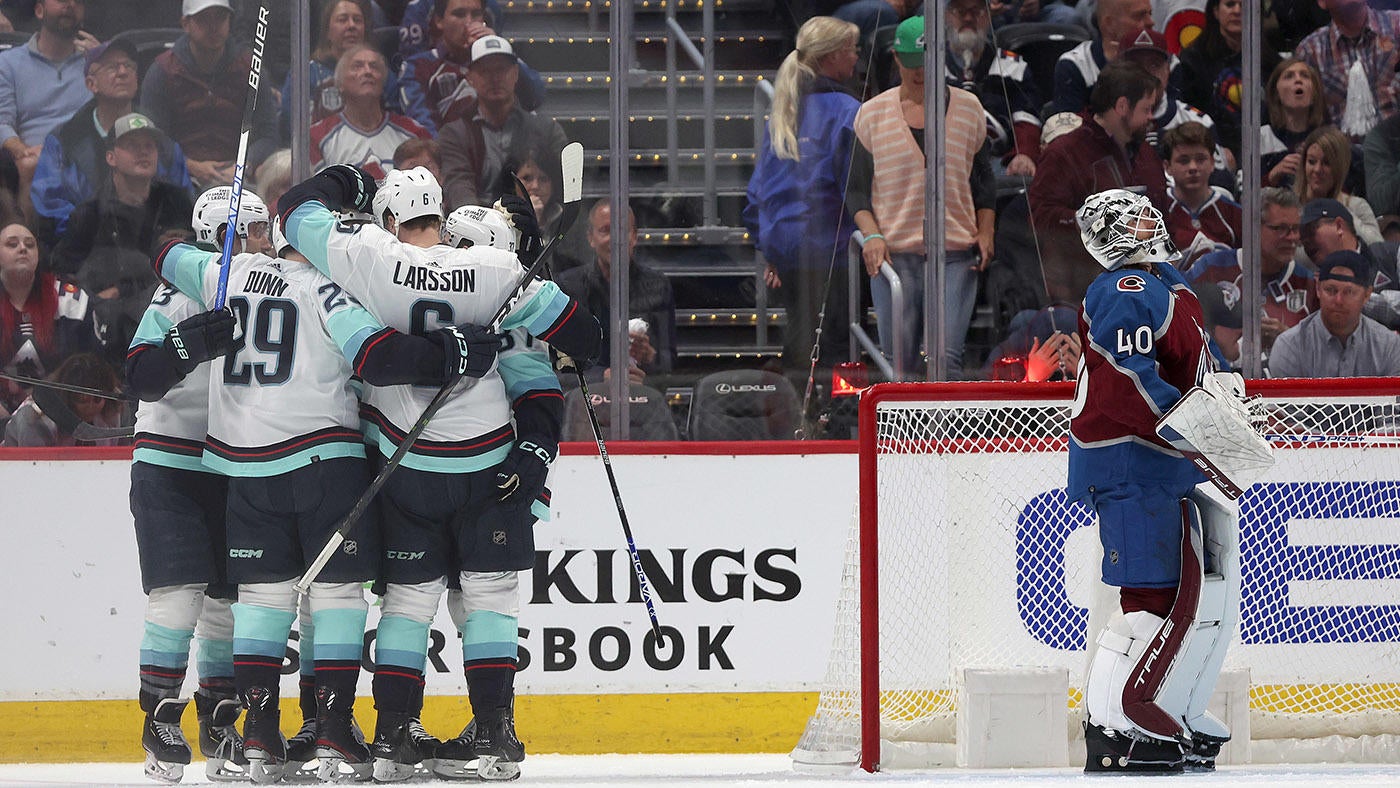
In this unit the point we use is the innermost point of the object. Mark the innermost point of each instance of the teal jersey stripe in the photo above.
(402, 642)
(540, 312)
(324, 451)
(522, 372)
(419, 462)
(166, 647)
(340, 632)
(184, 268)
(309, 229)
(215, 658)
(168, 459)
(152, 329)
(350, 327)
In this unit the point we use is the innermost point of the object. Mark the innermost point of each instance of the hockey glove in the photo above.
(522, 218)
(357, 187)
(470, 350)
(197, 339)
(521, 475)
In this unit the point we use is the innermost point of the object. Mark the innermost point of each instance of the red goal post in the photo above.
(966, 555)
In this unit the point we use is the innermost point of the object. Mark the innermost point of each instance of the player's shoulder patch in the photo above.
(1132, 283)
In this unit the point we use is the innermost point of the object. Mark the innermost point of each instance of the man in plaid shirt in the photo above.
(1356, 33)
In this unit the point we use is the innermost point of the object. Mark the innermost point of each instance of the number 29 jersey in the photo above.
(1145, 345)
(282, 398)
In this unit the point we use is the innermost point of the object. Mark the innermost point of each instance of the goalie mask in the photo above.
(408, 195)
(211, 214)
(1119, 228)
(478, 225)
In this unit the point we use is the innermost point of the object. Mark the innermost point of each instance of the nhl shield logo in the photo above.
(351, 547)
(498, 537)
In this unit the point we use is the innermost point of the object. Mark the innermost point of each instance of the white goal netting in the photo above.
(982, 564)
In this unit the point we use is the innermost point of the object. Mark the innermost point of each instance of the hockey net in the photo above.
(967, 549)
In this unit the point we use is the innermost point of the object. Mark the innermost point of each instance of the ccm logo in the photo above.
(725, 388)
(244, 552)
(1132, 284)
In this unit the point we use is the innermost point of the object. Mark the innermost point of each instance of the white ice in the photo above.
(590, 771)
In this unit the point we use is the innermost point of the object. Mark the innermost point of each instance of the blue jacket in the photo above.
(796, 209)
(73, 164)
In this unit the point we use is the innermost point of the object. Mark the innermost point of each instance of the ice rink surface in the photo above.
(588, 771)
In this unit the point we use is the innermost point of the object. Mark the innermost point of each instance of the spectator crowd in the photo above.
(105, 142)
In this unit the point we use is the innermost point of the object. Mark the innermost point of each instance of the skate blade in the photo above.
(162, 771)
(390, 771)
(222, 770)
(331, 771)
(492, 769)
(303, 773)
(264, 772)
(454, 769)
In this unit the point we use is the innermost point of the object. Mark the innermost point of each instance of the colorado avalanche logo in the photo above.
(1132, 284)
(1229, 87)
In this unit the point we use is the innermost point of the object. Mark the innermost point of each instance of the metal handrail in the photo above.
(705, 61)
(856, 267)
(762, 100)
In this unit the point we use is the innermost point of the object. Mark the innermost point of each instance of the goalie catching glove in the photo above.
(470, 350)
(1210, 424)
(521, 475)
(198, 338)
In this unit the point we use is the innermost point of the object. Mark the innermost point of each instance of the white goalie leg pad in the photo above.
(497, 592)
(281, 595)
(1193, 678)
(215, 620)
(175, 607)
(1121, 646)
(337, 596)
(414, 601)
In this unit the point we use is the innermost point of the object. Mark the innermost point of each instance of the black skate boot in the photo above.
(498, 751)
(401, 747)
(167, 751)
(1204, 750)
(1109, 750)
(301, 751)
(219, 741)
(263, 744)
(339, 740)
(455, 758)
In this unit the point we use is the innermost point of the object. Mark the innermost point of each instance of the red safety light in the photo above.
(848, 378)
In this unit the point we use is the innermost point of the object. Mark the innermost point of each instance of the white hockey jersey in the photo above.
(417, 290)
(282, 399)
(170, 431)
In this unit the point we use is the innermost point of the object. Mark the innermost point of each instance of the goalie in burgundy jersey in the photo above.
(1145, 346)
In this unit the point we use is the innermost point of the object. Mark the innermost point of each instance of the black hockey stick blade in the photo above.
(91, 432)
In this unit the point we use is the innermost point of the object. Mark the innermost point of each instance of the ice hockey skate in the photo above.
(263, 743)
(167, 751)
(301, 753)
(1108, 750)
(402, 748)
(339, 741)
(489, 752)
(1204, 750)
(219, 741)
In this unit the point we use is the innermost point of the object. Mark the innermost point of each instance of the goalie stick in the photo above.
(571, 162)
(236, 195)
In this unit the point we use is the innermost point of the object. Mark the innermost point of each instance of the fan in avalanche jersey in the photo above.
(284, 426)
(1144, 347)
(461, 503)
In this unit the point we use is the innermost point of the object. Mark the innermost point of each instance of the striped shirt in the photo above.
(1332, 54)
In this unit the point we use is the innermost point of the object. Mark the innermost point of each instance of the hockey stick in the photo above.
(91, 432)
(637, 569)
(572, 160)
(236, 196)
(71, 389)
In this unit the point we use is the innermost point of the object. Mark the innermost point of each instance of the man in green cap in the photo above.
(886, 198)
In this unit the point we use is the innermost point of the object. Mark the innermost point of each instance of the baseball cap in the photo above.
(1362, 272)
(909, 42)
(121, 44)
(130, 122)
(1325, 208)
(1148, 40)
(1058, 125)
(192, 7)
(491, 45)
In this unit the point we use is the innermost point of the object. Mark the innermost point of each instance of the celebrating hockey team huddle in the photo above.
(251, 451)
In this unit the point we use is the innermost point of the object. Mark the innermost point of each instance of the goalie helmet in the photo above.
(479, 225)
(1119, 227)
(211, 213)
(408, 195)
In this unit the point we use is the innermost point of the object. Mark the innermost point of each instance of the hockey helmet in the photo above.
(211, 214)
(407, 195)
(480, 226)
(1119, 227)
(274, 234)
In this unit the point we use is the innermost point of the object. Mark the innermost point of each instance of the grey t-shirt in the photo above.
(1308, 350)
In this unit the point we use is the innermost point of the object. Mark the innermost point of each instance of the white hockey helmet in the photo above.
(274, 234)
(481, 226)
(211, 213)
(407, 195)
(1119, 227)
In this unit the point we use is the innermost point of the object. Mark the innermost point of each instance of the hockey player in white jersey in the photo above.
(446, 506)
(284, 425)
(178, 507)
